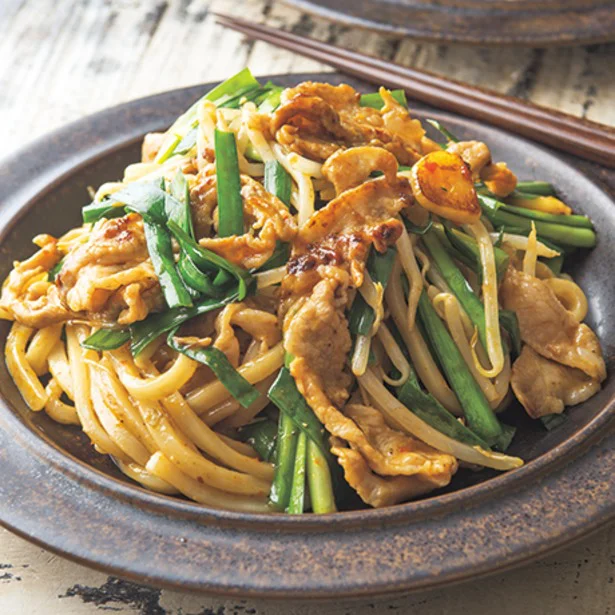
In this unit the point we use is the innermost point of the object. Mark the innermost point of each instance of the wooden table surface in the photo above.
(62, 59)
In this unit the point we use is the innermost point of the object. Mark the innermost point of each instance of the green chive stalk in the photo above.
(230, 204)
(319, 480)
(296, 503)
(286, 448)
(481, 419)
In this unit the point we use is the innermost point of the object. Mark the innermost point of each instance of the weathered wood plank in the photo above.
(576, 580)
(61, 60)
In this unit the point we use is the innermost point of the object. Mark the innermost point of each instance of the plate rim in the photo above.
(536, 468)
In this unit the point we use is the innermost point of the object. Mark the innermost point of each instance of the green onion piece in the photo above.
(187, 143)
(286, 396)
(106, 209)
(430, 410)
(462, 257)
(160, 251)
(517, 194)
(510, 323)
(491, 205)
(361, 316)
(320, 481)
(264, 93)
(194, 278)
(574, 220)
(481, 419)
(443, 130)
(467, 245)
(380, 265)
(177, 204)
(538, 188)
(148, 199)
(249, 93)
(272, 101)
(500, 216)
(563, 235)
(461, 288)
(244, 95)
(374, 100)
(216, 360)
(53, 272)
(146, 331)
(178, 210)
(242, 82)
(107, 339)
(222, 278)
(230, 204)
(262, 436)
(288, 434)
(277, 181)
(210, 261)
(297, 491)
(552, 421)
(158, 208)
(562, 248)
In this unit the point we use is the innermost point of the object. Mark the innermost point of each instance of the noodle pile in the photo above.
(334, 294)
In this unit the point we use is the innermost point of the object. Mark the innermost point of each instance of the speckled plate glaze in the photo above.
(55, 491)
(478, 22)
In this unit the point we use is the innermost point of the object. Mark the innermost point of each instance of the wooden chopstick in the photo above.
(583, 138)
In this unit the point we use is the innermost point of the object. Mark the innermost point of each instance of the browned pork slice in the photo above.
(498, 178)
(546, 387)
(340, 235)
(316, 334)
(548, 328)
(475, 154)
(111, 278)
(378, 491)
(349, 168)
(317, 119)
(328, 258)
(259, 324)
(267, 220)
(390, 452)
(28, 296)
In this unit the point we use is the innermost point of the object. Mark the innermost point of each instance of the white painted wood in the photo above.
(576, 581)
(62, 59)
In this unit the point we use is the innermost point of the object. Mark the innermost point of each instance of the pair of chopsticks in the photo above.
(583, 138)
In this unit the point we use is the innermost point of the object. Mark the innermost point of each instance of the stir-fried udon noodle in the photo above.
(295, 292)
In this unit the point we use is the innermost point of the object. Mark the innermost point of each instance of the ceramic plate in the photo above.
(57, 492)
(480, 22)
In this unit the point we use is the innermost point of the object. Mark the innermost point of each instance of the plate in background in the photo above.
(479, 22)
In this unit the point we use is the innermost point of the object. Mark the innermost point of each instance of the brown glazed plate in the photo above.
(55, 491)
(479, 22)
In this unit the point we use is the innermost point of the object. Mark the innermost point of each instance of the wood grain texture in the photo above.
(36, 582)
(62, 59)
